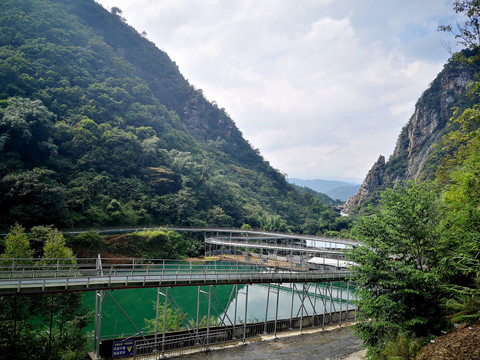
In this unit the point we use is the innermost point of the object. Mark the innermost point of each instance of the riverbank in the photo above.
(333, 343)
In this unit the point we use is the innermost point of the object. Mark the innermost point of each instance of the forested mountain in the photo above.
(98, 127)
(418, 152)
(324, 198)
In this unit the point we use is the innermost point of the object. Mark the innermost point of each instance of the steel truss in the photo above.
(200, 336)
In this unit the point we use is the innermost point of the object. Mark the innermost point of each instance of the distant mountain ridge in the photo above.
(340, 190)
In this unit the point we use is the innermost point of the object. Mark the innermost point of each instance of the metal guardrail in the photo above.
(249, 245)
(249, 233)
(181, 343)
(19, 276)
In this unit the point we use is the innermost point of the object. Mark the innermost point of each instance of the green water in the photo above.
(140, 304)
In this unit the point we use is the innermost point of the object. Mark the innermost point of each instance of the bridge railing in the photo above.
(37, 275)
(41, 268)
(269, 246)
(36, 268)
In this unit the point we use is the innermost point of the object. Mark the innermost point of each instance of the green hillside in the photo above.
(99, 128)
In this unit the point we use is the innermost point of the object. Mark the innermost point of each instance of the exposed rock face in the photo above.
(193, 115)
(431, 114)
(206, 121)
(412, 158)
(371, 183)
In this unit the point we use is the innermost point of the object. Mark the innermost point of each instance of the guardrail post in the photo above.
(302, 307)
(208, 315)
(245, 323)
(235, 313)
(164, 321)
(156, 317)
(98, 265)
(266, 311)
(348, 295)
(98, 322)
(314, 305)
(198, 315)
(341, 301)
(291, 307)
(276, 310)
(331, 301)
(324, 300)
(13, 268)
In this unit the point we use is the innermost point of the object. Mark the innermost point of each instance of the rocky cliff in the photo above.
(414, 156)
(372, 182)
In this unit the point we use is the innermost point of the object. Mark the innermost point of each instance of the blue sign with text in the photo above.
(123, 348)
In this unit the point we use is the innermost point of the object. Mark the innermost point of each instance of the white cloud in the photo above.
(320, 87)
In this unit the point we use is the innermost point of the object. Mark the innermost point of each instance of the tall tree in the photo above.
(41, 327)
(17, 245)
(14, 312)
(398, 287)
(55, 249)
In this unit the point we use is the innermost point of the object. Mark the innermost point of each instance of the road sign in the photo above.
(123, 348)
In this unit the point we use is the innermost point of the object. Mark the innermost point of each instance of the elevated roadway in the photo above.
(30, 276)
(247, 234)
(266, 246)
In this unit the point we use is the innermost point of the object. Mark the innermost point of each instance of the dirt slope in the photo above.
(462, 343)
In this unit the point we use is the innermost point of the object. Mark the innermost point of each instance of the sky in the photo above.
(320, 87)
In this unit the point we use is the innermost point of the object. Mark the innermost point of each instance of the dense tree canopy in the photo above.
(99, 128)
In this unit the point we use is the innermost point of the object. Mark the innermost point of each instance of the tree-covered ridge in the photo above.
(98, 127)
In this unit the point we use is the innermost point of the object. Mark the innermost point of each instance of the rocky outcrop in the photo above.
(372, 183)
(432, 112)
(206, 121)
(412, 157)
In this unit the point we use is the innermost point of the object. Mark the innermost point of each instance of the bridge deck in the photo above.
(247, 234)
(18, 278)
(266, 246)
